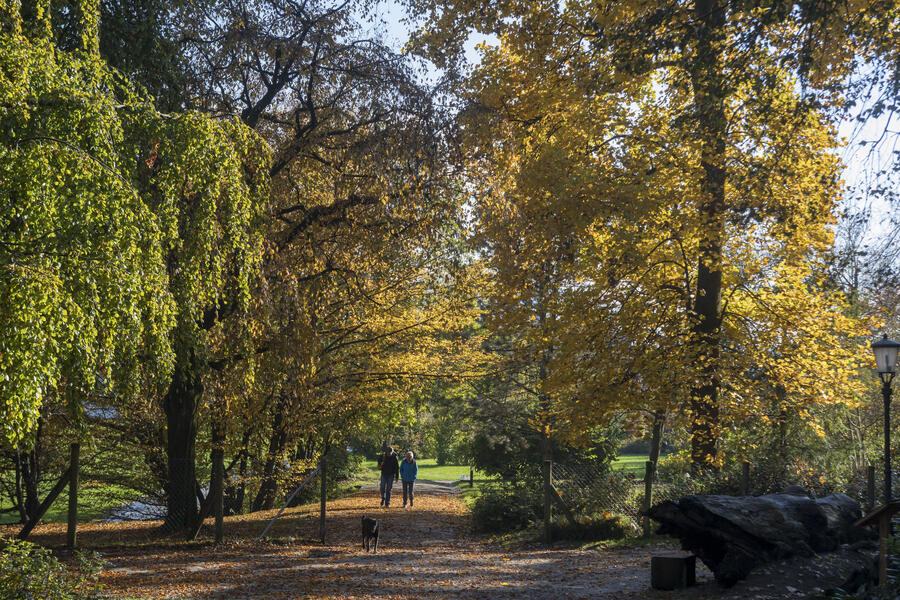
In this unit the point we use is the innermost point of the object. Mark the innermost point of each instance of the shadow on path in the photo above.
(424, 552)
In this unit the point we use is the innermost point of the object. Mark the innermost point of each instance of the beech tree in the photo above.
(83, 292)
(126, 225)
(358, 230)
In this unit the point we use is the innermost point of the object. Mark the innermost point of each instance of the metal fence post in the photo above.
(322, 474)
(870, 488)
(649, 474)
(548, 510)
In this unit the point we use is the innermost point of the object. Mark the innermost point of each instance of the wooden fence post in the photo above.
(471, 476)
(72, 520)
(649, 474)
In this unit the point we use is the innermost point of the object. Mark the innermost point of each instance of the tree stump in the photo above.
(673, 571)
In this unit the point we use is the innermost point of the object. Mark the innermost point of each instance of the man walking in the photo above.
(390, 471)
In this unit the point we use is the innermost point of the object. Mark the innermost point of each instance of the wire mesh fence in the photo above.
(592, 489)
(588, 489)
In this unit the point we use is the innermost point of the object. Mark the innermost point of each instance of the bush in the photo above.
(30, 571)
(604, 526)
(505, 507)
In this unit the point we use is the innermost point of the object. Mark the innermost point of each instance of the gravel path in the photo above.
(425, 552)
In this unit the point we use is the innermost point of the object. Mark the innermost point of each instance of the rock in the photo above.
(734, 534)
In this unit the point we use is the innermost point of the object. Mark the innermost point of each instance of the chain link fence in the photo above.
(590, 490)
(587, 489)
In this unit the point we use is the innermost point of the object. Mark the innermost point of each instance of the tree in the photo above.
(357, 240)
(81, 248)
(131, 224)
(662, 156)
(138, 39)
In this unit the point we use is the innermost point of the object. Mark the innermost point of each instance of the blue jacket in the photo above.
(408, 470)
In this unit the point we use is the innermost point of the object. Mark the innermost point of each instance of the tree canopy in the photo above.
(235, 236)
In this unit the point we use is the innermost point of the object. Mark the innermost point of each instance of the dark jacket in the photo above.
(390, 466)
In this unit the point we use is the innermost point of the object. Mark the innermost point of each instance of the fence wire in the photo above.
(588, 489)
(591, 490)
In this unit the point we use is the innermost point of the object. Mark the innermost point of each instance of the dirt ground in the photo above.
(424, 552)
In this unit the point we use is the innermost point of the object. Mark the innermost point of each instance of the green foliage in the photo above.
(120, 222)
(82, 259)
(516, 453)
(444, 434)
(506, 506)
(30, 571)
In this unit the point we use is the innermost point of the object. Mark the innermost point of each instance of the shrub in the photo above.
(30, 571)
(604, 526)
(505, 507)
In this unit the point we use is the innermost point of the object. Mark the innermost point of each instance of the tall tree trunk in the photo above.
(265, 498)
(709, 107)
(544, 409)
(33, 520)
(781, 436)
(31, 478)
(180, 404)
(323, 485)
(74, 469)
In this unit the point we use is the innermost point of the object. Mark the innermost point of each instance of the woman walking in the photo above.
(408, 472)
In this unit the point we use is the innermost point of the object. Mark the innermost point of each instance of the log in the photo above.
(733, 535)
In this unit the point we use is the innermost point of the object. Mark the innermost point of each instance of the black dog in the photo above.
(370, 532)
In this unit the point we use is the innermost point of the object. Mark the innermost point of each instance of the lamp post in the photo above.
(886, 358)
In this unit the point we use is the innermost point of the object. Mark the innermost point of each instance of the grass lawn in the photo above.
(428, 469)
(631, 463)
(95, 501)
(470, 493)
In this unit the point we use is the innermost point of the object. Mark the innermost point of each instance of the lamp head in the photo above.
(885, 351)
